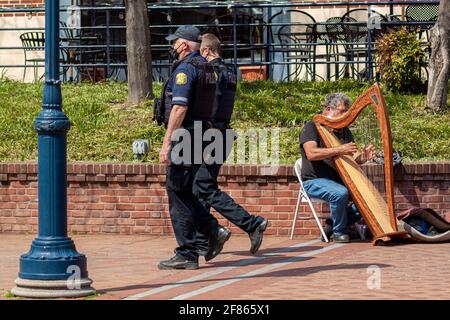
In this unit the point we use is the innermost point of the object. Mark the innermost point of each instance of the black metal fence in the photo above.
(282, 41)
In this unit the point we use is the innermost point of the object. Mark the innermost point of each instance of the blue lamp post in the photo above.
(53, 267)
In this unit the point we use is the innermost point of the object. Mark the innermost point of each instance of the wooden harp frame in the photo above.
(374, 97)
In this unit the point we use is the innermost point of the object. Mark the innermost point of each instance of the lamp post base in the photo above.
(45, 289)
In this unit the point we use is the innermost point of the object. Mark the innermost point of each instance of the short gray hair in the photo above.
(194, 45)
(333, 100)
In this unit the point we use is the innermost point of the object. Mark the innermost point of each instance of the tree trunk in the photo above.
(439, 67)
(138, 51)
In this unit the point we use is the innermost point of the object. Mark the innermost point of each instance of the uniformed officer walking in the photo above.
(205, 181)
(188, 96)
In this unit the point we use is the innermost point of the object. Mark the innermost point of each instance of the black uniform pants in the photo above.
(206, 188)
(186, 212)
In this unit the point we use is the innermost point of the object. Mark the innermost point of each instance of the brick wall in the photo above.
(20, 4)
(131, 198)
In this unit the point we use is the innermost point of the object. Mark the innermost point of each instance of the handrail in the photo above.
(238, 5)
(260, 49)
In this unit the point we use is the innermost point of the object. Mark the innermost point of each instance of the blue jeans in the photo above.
(337, 196)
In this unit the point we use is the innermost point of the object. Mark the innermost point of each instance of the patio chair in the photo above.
(356, 37)
(422, 13)
(33, 44)
(303, 197)
(89, 55)
(68, 55)
(336, 37)
(294, 41)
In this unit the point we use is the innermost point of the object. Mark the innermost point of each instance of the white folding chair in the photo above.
(303, 197)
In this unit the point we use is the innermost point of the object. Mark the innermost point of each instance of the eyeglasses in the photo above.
(339, 109)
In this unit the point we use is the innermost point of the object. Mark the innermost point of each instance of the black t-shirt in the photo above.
(321, 168)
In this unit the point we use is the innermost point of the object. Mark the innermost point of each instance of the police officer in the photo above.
(188, 97)
(205, 181)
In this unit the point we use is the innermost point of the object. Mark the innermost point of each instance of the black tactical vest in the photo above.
(225, 93)
(200, 105)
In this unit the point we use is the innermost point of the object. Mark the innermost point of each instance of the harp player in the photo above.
(319, 176)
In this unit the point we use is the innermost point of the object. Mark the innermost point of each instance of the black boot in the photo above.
(256, 237)
(177, 262)
(216, 242)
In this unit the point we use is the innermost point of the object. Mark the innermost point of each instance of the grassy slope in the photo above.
(103, 130)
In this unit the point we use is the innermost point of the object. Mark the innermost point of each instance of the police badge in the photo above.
(181, 78)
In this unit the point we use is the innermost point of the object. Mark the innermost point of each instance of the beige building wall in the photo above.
(11, 39)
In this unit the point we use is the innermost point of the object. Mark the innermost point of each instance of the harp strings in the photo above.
(367, 132)
(375, 140)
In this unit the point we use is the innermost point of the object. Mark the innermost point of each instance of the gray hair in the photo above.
(194, 45)
(333, 100)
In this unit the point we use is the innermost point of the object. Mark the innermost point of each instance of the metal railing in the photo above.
(249, 33)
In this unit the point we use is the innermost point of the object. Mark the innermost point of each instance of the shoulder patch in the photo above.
(181, 78)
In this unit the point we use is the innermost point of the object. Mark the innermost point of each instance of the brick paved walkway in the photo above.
(126, 267)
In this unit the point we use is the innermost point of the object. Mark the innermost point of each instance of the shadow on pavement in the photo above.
(294, 272)
(275, 252)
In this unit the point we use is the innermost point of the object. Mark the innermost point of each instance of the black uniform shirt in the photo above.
(182, 80)
(321, 168)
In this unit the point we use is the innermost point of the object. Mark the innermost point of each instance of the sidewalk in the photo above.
(126, 267)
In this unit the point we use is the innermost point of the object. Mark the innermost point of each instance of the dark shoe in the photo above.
(216, 243)
(202, 251)
(256, 237)
(177, 262)
(202, 244)
(341, 238)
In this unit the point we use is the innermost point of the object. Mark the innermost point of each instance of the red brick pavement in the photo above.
(124, 266)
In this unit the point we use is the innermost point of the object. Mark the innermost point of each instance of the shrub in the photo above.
(400, 55)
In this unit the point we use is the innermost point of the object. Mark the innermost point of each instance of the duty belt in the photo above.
(221, 125)
(206, 124)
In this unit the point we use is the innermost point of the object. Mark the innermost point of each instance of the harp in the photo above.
(377, 212)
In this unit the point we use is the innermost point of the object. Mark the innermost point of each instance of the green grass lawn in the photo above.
(103, 128)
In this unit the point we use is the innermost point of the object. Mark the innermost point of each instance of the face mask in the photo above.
(173, 52)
